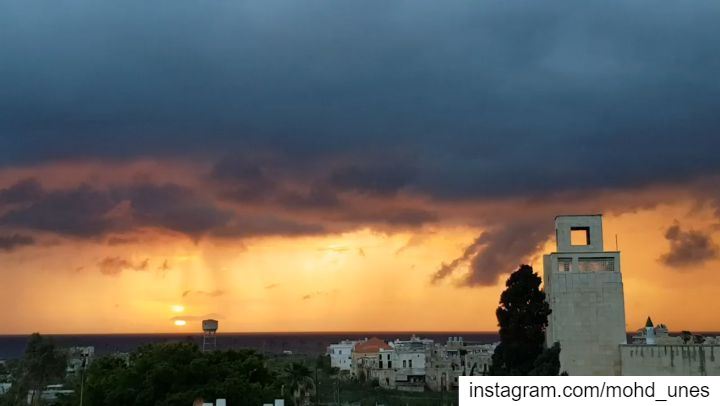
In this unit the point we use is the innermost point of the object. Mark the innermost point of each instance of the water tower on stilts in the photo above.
(209, 335)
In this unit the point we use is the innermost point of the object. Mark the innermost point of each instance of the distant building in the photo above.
(415, 364)
(403, 366)
(655, 352)
(365, 356)
(446, 363)
(51, 394)
(341, 355)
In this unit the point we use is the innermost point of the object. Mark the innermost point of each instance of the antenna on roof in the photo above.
(616, 243)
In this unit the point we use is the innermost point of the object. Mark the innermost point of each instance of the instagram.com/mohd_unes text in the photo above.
(588, 391)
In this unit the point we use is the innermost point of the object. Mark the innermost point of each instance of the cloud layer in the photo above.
(688, 248)
(459, 99)
(326, 117)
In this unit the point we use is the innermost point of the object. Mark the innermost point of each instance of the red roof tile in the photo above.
(371, 345)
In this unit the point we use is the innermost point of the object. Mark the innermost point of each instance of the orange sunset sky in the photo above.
(368, 278)
(349, 166)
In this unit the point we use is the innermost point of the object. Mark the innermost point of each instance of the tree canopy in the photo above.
(177, 373)
(42, 364)
(522, 317)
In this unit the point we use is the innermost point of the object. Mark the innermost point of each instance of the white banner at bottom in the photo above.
(589, 390)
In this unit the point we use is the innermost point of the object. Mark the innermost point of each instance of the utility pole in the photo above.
(84, 356)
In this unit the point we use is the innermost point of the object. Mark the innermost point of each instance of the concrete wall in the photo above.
(672, 360)
(587, 319)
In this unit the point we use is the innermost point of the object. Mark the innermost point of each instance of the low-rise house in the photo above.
(402, 366)
(365, 356)
(341, 355)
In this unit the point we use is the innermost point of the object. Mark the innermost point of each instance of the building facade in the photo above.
(341, 355)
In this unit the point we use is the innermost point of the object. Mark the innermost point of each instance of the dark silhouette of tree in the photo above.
(522, 317)
(299, 381)
(548, 362)
(42, 364)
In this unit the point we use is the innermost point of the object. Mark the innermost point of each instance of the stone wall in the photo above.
(587, 319)
(671, 360)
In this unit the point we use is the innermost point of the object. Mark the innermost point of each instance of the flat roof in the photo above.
(578, 215)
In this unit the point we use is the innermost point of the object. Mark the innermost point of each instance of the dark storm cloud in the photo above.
(496, 252)
(380, 180)
(82, 211)
(88, 211)
(242, 180)
(174, 207)
(326, 102)
(13, 241)
(328, 196)
(21, 192)
(254, 226)
(486, 98)
(688, 248)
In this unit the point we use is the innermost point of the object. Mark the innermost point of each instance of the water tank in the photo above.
(210, 325)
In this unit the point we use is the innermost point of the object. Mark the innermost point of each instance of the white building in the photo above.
(341, 355)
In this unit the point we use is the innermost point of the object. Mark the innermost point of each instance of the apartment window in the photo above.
(389, 364)
(381, 364)
(404, 364)
(410, 364)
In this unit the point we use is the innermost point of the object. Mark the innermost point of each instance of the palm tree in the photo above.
(300, 382)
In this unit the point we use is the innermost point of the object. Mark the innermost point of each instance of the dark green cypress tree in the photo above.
(522, 317)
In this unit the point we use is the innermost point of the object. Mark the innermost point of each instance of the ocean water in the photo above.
(13, 346)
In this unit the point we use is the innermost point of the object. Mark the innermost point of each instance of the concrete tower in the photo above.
(584, 288)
